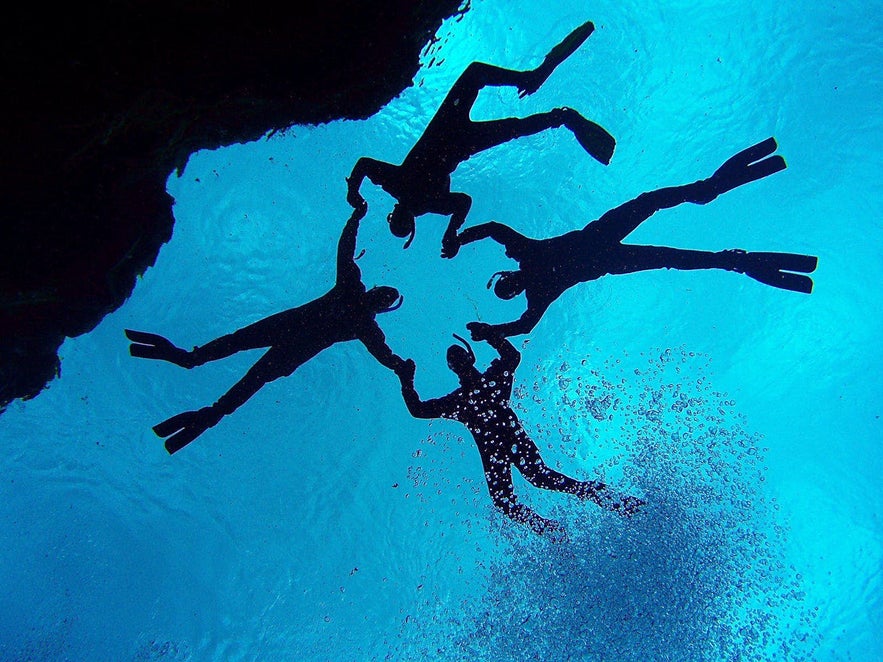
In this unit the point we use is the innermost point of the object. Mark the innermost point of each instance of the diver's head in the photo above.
(401, 222)
(460, 359)
(509, 284)
(383, 299)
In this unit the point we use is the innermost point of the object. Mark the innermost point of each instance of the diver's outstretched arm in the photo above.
(500, 233)
(524, 324)
(375, 342)
(480, 331)
(434, 408)
(346, 249)
(457, 205)
(379, 172)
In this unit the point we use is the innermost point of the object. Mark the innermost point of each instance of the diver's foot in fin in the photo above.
(598, 493)
(593, 138)
(556, 56)
(180, 430)
(775, 269)
(627, 506)
(748, 165)
(568, 45)
(153, 346)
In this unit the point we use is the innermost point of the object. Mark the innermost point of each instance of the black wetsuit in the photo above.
(548, 267)
(481, 403)
(293, 337)
(422, 183)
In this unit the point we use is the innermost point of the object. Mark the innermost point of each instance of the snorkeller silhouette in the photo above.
(346, 312)
(481, 403)
(421, 184)
(548, 267)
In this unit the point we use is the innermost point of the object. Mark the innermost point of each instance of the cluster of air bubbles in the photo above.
(698, 574)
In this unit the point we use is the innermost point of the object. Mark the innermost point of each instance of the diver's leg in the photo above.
(498, 474)
(254, 336)
(558, 54)
(531, 465)
(480, 74)
(263, 333)
(180, 430)
(618, 223)
(629, 258)
(769, 268)
(593, 138)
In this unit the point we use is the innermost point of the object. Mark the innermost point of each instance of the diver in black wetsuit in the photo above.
(346, 312)
(422, 183)
(482, 405)
(548, 267)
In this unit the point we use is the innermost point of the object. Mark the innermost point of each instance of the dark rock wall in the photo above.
(105, 99)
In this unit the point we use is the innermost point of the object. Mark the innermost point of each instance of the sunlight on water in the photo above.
(322, 521)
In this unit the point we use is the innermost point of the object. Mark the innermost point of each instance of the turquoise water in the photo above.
(322, 522)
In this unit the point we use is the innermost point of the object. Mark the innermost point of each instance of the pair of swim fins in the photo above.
(180, 430)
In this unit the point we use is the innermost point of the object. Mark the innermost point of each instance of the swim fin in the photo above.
(153, 346)
(556, 56)
(774, 269)
(184, 428)
(181, 438)
(593, 138)
(568, 45)
(749, 165)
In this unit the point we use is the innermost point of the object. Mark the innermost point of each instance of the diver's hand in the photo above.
(354, 198)
(450, 245)
(531, 83)
(480, 330)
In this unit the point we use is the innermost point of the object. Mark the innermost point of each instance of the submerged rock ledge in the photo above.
(106, 99)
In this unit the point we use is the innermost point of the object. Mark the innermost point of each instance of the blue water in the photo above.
(322, 522)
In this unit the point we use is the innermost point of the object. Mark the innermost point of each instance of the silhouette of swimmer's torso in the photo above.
(425, 174)
(550, 266)
(339, 315)
(483, 407)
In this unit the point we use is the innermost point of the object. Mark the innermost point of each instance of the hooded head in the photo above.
(508, 285)
(460, 358)
(383, 299)
(401, 223)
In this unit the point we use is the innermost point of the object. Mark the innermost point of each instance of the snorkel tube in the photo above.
(410, 238)
(395, 306)
(497, 275)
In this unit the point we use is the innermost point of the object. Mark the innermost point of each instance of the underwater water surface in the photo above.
(322, 522)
